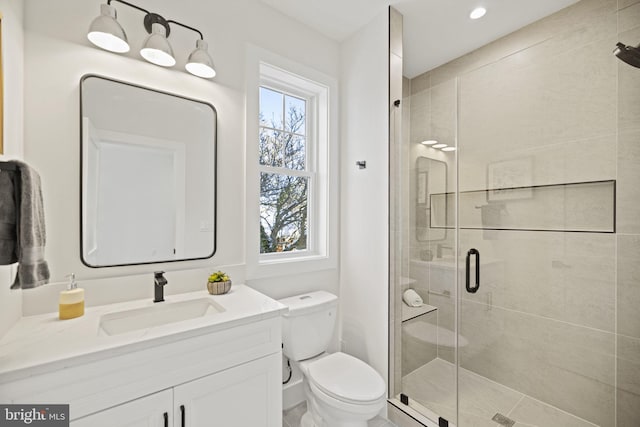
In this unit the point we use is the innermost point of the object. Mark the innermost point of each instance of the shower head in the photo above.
(628, 54)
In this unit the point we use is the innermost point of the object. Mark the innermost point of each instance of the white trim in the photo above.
(263, 67)
(286, 171)
(276, 80)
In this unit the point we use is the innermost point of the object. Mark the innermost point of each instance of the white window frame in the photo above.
(269, 70)
(311, 164)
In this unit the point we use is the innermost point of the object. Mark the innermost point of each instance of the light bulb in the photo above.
(477, 13)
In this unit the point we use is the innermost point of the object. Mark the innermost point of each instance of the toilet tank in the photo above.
(307, 328)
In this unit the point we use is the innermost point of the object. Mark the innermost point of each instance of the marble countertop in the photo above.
(43, 343)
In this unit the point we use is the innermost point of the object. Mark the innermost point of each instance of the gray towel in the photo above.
(8, 212)
(30, 233)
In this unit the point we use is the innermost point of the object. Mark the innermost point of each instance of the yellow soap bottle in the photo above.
(71, 303)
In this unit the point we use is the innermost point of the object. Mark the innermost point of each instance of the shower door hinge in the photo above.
(442, 422)
(404, 398)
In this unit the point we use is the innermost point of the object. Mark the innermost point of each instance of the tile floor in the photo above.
(291, 418)
(433, 386)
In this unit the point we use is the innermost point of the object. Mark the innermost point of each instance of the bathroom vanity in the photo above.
(193, 360)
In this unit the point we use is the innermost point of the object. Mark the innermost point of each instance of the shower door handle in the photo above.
(474, 289)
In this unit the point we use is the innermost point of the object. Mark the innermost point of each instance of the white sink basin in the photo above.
(159, 314)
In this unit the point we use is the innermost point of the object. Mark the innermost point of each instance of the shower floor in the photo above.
(433, 386)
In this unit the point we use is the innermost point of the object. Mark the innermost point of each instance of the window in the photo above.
(286, 171)
(292, 168)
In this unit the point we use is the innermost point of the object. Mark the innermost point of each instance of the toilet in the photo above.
(341, 390)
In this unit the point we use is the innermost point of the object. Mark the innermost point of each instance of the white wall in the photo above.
(58, 54)
(364, 194)
(12, 62)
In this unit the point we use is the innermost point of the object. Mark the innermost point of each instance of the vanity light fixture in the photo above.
(429, 142)
(156, 48)
(439, 146)
(200, 63)
(477, 13)
(106, 33)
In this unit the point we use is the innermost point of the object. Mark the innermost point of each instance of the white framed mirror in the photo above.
(148, 185)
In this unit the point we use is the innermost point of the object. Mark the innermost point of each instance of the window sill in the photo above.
(289, 258)
(285, 266)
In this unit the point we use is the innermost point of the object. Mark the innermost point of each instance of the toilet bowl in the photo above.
(340, 390)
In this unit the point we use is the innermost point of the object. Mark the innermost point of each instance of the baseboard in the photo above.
(292, 394)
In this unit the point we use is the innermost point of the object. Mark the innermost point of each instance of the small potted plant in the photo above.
(219, 283)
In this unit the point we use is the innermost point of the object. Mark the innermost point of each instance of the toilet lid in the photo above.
(346, 378)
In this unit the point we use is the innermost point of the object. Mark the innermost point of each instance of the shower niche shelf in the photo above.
(583, 207)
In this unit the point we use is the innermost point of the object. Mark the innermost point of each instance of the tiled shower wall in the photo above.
(561, 322)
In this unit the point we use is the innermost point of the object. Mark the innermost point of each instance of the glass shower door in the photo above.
(527, 259)
(537, 242)
(425, 260)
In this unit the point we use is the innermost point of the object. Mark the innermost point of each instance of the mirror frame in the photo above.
(215, 173)
(428, 201)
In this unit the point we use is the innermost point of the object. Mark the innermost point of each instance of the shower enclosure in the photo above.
(522, 234)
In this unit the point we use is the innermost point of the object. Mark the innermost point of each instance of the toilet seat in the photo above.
(347, 379)
(368, 409)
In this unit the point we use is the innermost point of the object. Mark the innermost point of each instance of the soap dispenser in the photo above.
(71, 303)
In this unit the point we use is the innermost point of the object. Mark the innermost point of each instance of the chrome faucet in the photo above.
(159, 282)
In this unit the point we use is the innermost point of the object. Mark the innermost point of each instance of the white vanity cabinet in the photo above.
(241, 396)
(149, 411)
(238, 397)
(222, 372)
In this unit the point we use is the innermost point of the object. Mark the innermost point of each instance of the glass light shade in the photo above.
(200, 63)
(156, 48)
(449, 149)
(439, 145)
(477, 13)
(429, 142)
(106, 33)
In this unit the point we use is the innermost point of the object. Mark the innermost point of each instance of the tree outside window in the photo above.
(285, 179)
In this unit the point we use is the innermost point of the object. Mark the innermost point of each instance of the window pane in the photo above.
(271, 108)
(295, 115)
(294, 152)
(271, 147)
(283, 213)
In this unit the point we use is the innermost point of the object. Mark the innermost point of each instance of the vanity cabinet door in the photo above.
(246, 395)
(147, 411)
